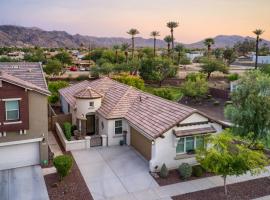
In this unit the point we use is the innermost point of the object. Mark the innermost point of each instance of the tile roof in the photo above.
(14, 80)
(26, 71)
(150, 114)
(87, 93)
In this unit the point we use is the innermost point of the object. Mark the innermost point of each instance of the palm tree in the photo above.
(179, 48)
(208, 42)
(116, 48)
(155, 34)
(133, 32)
(172, 25)
(168, 40)
(124, 48)
(258, 33)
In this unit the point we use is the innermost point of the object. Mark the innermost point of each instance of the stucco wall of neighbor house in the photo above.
(38, 123)
(107, 127)
(164, 149)
(262, 59)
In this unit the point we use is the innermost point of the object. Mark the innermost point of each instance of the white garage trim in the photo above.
(20, 142)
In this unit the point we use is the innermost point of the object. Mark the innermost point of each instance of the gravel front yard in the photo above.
(239, 191)
(73, 186)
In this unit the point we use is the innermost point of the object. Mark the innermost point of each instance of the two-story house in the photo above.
(23, 115)
(161, 131)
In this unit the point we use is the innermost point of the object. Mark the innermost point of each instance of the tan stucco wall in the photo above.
(38, 123)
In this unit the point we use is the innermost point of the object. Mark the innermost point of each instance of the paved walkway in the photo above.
(165, 192)
(53, 144)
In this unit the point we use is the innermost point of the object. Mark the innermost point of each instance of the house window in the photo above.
(118, 127)
(189, 144)
(180, 148)
(12, 110)
(91, 104)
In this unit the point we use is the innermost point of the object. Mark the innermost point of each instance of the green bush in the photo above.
(195, 85)
(73, 128)
(197, 171)
(67, 130)
(134, 81)
(233, 77)
(54, 87)
(164, 172)
(163, 93)
(185, 170)
(63, 165)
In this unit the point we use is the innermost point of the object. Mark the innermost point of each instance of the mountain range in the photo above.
(25, 36)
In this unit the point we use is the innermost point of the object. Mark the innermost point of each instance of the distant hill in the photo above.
(24, 36)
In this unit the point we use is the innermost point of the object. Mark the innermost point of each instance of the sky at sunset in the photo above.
(198, 19)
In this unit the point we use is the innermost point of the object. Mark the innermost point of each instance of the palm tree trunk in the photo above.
(126, 54)
(132, 47)
(179, 55)
(172, 44)
(169, 49)
(257, 52)
(209, 50)
(154, 47)
(116, 56)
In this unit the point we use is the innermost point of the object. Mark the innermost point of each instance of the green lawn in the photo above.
(175, 91)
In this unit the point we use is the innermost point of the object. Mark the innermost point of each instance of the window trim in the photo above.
(118, 127)
(6, 111)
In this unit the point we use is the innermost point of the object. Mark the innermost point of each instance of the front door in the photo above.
(90, 124)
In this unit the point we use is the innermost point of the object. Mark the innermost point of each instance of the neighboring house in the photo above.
(262, 59)
(194, 55)
(23, 115)
(161, 131)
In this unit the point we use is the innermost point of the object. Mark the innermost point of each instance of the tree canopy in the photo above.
(250, 111)
(224, 156)
(53, 67)
(210, 65)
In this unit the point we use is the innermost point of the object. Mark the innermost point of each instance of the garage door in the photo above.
(19, 155)
(141, 144)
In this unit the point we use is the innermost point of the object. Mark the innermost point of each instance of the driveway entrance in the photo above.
(113, 171)
(25, 183)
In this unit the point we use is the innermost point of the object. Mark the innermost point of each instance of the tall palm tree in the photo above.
(208, 42)
(133, 32)
(155, 34)
(258, 33)
(172, 25)
(168, 40)
(116, 48)
(179, 48)
(124, 48)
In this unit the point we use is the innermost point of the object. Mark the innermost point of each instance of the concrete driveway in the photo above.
(114, 171)
(25, 183)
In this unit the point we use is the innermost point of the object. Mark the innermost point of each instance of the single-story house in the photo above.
(162, 131)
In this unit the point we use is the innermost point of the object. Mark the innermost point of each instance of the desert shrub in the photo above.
(197, 171)
(54, 87)
(63, 165)
(185, 170)
(134, 81)
(163, 93)
(67, 130)
(233, 77)
(265, 69)
(195, 85)
(82, 77)
(164, 172)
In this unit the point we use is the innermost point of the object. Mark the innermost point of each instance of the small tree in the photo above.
(226, 157)
(54, 87)
(134, 81)
(195, 86)
(53, 67)
(63, 165)
(64, 58)
(212, 65)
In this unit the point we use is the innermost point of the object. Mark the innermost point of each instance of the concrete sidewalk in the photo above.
(166, 192)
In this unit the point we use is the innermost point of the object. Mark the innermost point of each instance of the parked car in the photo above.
(82, 69)
(73, 69)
